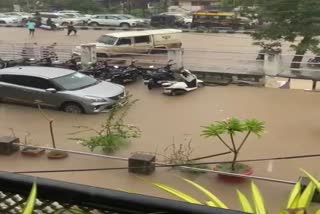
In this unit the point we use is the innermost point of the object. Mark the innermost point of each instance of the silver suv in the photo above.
(59, 88)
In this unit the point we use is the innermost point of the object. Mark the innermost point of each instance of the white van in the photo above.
(135, 42)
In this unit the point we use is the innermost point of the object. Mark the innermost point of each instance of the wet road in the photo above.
(208, 52)
(292, 129)
(291, 116)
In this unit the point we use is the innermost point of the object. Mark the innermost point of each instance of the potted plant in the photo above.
(231, 128)
(29, 150)
(53, 154)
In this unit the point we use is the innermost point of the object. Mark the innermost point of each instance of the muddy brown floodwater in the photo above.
(292, 128)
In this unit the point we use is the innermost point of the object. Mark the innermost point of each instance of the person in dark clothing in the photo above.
(71, 29)
(51, 24)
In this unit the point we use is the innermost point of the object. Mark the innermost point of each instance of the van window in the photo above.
(108, 40)
(141, 39)
(124, 41)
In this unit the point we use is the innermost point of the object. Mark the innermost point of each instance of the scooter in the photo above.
(189, 82)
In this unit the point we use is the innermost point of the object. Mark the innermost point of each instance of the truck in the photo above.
(135, 42)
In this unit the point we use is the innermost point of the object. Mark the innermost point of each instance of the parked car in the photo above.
(142, 21)
(58, 88)
(167, 21)
(148, 41)
(23, 17)
(60, 19)
(113, 20)
(4, 19)
(187, 19)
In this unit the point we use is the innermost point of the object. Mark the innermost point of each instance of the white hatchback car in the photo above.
(5, 19)
(113, 20)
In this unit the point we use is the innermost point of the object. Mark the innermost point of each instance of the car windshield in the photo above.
(75, 81)
(108, 40)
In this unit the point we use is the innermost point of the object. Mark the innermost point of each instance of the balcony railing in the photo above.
(57, 195)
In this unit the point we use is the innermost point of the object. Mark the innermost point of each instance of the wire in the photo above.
(161, 165)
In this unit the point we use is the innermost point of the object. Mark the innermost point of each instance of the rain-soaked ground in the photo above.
(291, 116)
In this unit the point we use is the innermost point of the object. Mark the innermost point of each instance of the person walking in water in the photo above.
(71, 29)
(31, 25)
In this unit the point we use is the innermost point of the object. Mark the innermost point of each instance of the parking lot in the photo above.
(291, 122)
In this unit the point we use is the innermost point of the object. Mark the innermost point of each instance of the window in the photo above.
(142, 39)
(124, 41)
(108, 40)
(101, 17)
(28, 81)
(75, 81)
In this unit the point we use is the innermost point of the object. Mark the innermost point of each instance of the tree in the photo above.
(295, 21)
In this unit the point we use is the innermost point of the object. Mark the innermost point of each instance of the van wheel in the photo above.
(125, 25)
(72, 107)
(64, 24)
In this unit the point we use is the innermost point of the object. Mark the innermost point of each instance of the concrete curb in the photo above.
(142, 29)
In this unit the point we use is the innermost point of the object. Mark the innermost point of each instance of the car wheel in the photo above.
(124, 25)
(74, 108)
(173, 93)
(2, 22)
(93, 24)
(64, 23)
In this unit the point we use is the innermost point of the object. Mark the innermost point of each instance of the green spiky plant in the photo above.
(231, 127)
(298, 200)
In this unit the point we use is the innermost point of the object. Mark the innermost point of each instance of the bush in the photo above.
(108, 143)
(114, 132)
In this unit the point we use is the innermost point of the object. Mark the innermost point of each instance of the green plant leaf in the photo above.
(254, 126)
(28, 209)
(177, 193)
(306, 196)
(245, 204)
(211, 204)
(258, 200)
(296, 202)
(294, 194)
(312, 178)
(213, 198)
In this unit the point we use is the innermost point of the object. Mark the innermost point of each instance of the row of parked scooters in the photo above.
(172, 82)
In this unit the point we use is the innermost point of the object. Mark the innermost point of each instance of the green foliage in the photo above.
(108, 143)
(31, 200)
(257, 206)
(114, 132)
(291, 20)
(231, 127)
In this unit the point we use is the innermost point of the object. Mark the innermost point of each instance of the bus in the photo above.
(218, 19)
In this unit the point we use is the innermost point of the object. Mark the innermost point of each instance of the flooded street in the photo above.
(292, 128)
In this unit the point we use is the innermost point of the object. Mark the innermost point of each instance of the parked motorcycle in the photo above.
(124, 74)
(189, 82)
(158, 76)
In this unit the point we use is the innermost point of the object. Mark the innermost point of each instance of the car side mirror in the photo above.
(51, 90)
